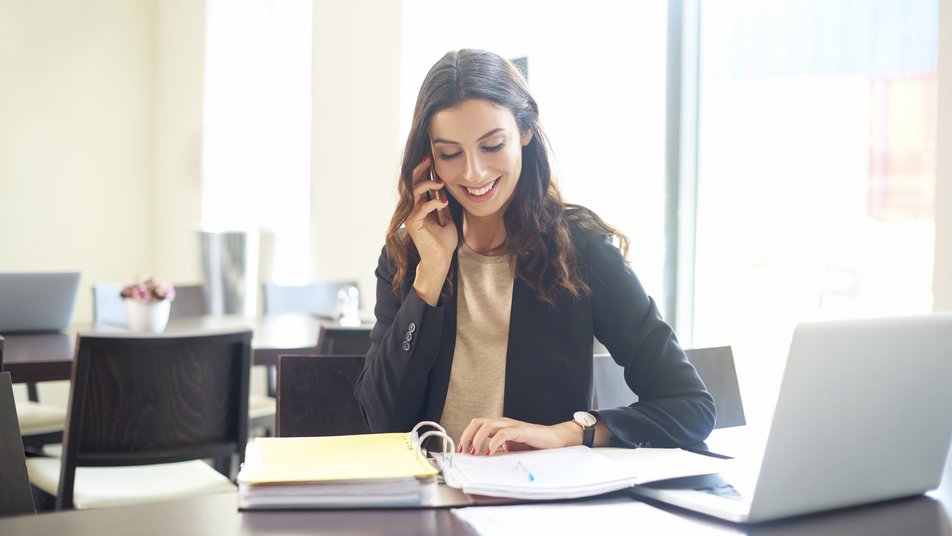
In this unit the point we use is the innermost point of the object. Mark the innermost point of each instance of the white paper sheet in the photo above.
(569, 472)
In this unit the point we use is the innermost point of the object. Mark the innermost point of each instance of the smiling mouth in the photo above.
(481, 191)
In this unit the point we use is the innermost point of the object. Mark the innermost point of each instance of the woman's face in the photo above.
(477, 150)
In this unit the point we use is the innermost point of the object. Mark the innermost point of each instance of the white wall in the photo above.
(77, 88)
(942, 276)
(177, 190)
(100, 138)
(356, 136)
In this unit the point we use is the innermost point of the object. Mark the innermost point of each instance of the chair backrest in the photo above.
(189, 301)
(318, 298)
(15, 495)
(609, 387)
(138, 400)
(341, 340)
(715, 366)
(108, 307)
(315, 396)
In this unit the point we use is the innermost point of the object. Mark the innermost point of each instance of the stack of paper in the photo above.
(371, 470)
(568, 473)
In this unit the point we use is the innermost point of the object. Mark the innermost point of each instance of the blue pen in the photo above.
(525, 470)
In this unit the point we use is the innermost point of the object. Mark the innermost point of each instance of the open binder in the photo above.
(350, 471)
(392, 470)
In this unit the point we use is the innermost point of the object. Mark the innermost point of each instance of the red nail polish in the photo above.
(473, 451)
(445, 201)
(438, 181)
(487, 452)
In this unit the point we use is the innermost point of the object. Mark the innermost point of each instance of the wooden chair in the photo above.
(39, 424)
(318, 298)
(316, 395)
(143, 412)
(341, 340)
(189, 301)
(715, 366)
(15, 495)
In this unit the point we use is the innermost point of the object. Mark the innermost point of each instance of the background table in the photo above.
(49, 356)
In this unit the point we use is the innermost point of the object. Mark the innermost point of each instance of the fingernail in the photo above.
(473, 452)
(445, 201)
(438, 181)
(426, 158)
(487, 452)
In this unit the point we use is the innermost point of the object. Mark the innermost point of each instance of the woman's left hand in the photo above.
(487, 436)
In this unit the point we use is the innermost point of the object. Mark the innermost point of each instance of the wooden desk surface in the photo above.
(49, 356)
(218, 514)
(927, 515)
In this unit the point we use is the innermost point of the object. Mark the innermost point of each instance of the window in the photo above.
(816, 170)
(257, 140)
(598, 72)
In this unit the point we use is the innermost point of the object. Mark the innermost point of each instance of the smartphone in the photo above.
(437, 194)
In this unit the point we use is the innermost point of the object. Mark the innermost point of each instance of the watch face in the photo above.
(584, 418)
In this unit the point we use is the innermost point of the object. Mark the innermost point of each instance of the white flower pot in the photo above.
(148, 317)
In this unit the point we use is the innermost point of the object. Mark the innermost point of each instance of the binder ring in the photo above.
(433, 424)
(441, 434)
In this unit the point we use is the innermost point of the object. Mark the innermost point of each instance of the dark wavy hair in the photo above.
(537, 221)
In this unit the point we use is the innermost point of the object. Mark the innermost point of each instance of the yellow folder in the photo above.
(288, 460)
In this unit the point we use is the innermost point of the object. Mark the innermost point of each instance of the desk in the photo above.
(49, 356)
(217, 514)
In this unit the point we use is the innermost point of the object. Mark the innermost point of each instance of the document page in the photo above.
(567, 473)
(602, 516)
(650, 465)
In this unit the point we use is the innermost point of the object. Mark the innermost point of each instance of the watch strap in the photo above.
(588, 436)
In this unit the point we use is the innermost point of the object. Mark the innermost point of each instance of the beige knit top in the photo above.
(478, 375)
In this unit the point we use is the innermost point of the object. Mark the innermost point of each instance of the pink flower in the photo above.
(148, 290)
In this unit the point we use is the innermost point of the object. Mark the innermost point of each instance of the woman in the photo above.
(486, 323)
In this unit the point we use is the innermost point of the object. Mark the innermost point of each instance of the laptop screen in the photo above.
(37, 301)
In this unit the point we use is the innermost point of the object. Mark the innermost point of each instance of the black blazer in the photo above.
(549, 360)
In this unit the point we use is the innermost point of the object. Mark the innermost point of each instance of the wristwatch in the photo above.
(587, 421)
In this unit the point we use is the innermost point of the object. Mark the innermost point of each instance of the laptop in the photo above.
(863, 415)
(37, 301)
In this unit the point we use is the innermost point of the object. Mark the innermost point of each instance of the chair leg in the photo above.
(225, 466)
(272, 381)
(33, 444)
(42, 501)
(31, 392)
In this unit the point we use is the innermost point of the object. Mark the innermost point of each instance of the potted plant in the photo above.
(148, 304)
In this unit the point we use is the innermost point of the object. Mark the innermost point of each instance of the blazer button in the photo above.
(408, 337)
(405, 346)
(411, 328)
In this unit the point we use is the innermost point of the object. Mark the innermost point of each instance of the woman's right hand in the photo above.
(436, 243)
